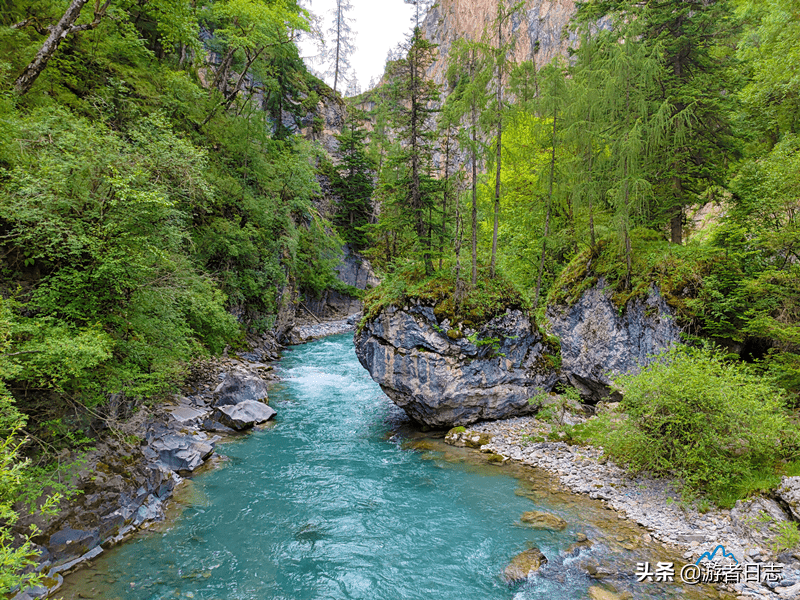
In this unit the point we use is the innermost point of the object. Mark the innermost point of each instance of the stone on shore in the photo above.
(789, 492)
(542, 520)
(458, 436)
(523, 564)
(244, 414)
(181, 452)
(239, 386)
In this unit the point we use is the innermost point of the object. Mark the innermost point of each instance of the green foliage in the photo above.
(408, 283)
(353, 183)
(16, 473)
(712, 423)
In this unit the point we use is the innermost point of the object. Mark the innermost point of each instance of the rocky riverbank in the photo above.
(313, 330)
(748, 530)
(126, 481)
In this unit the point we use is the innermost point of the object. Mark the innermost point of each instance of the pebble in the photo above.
(652, 503)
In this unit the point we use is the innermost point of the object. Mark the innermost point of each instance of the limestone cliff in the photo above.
(443, 380)
(539, 29)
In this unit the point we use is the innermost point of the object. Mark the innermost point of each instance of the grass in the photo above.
(677, 270)
(490, 297)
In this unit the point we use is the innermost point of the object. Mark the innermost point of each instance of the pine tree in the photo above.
(638, 129)
(690, 37)
(501, 47)
(353, 183)
(468, 78)
(342, 43)
(411, 115)
(551, 104)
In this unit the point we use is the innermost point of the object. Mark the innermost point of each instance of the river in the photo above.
(341, 498)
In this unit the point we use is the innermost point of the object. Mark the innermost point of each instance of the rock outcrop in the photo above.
(599, 341)
(353, 270)
(789, 493)
(442, 379)
(538, 29)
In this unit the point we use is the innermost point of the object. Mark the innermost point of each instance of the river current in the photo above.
(341, 498)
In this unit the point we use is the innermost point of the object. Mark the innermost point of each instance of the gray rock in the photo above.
(598, 342)
(244, 415)
(151, 510)
(755, 519)
(789, 493)
(239, 386)
(186, 414)
(69, 542)
(181, 452)
(441, 381)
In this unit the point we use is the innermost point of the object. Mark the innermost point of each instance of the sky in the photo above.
(379, 26)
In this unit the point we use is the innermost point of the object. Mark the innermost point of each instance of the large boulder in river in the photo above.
(442, 378)
(523, 565)
(244, 414)
(598, 340)
(238, 386)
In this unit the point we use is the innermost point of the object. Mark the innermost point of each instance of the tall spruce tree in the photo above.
(353, 184)
(342, 43)
(468, 79)
(692, 38)
(411, 112)
(499, 44)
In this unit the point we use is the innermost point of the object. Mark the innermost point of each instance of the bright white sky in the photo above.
(379, 26)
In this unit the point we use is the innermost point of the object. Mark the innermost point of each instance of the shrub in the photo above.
(712, 423)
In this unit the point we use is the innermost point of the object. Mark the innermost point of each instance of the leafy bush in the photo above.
(710, 422)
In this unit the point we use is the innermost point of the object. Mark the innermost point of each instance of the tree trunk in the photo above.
(474, 194)
(500, 60)
(338, 44)
(58, 33)
(676, 220)
(549, 207)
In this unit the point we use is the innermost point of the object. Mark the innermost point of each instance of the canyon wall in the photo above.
(539, 29)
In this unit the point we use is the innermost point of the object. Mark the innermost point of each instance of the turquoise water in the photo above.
(330, 503)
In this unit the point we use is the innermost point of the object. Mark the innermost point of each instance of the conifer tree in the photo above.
(637, 129)
(551, 104)
(501, 46)
(691, 38)
(342, 43)
(411, 115)
(468, 79)
(353, 183)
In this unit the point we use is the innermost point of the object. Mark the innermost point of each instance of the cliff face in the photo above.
(598, 341)
(441, 381)
(539, 29)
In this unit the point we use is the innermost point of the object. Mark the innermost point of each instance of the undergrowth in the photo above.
(722, 430)
(408, 283)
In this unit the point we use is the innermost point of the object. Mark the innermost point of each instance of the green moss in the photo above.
(408, 284)
(676, 270)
